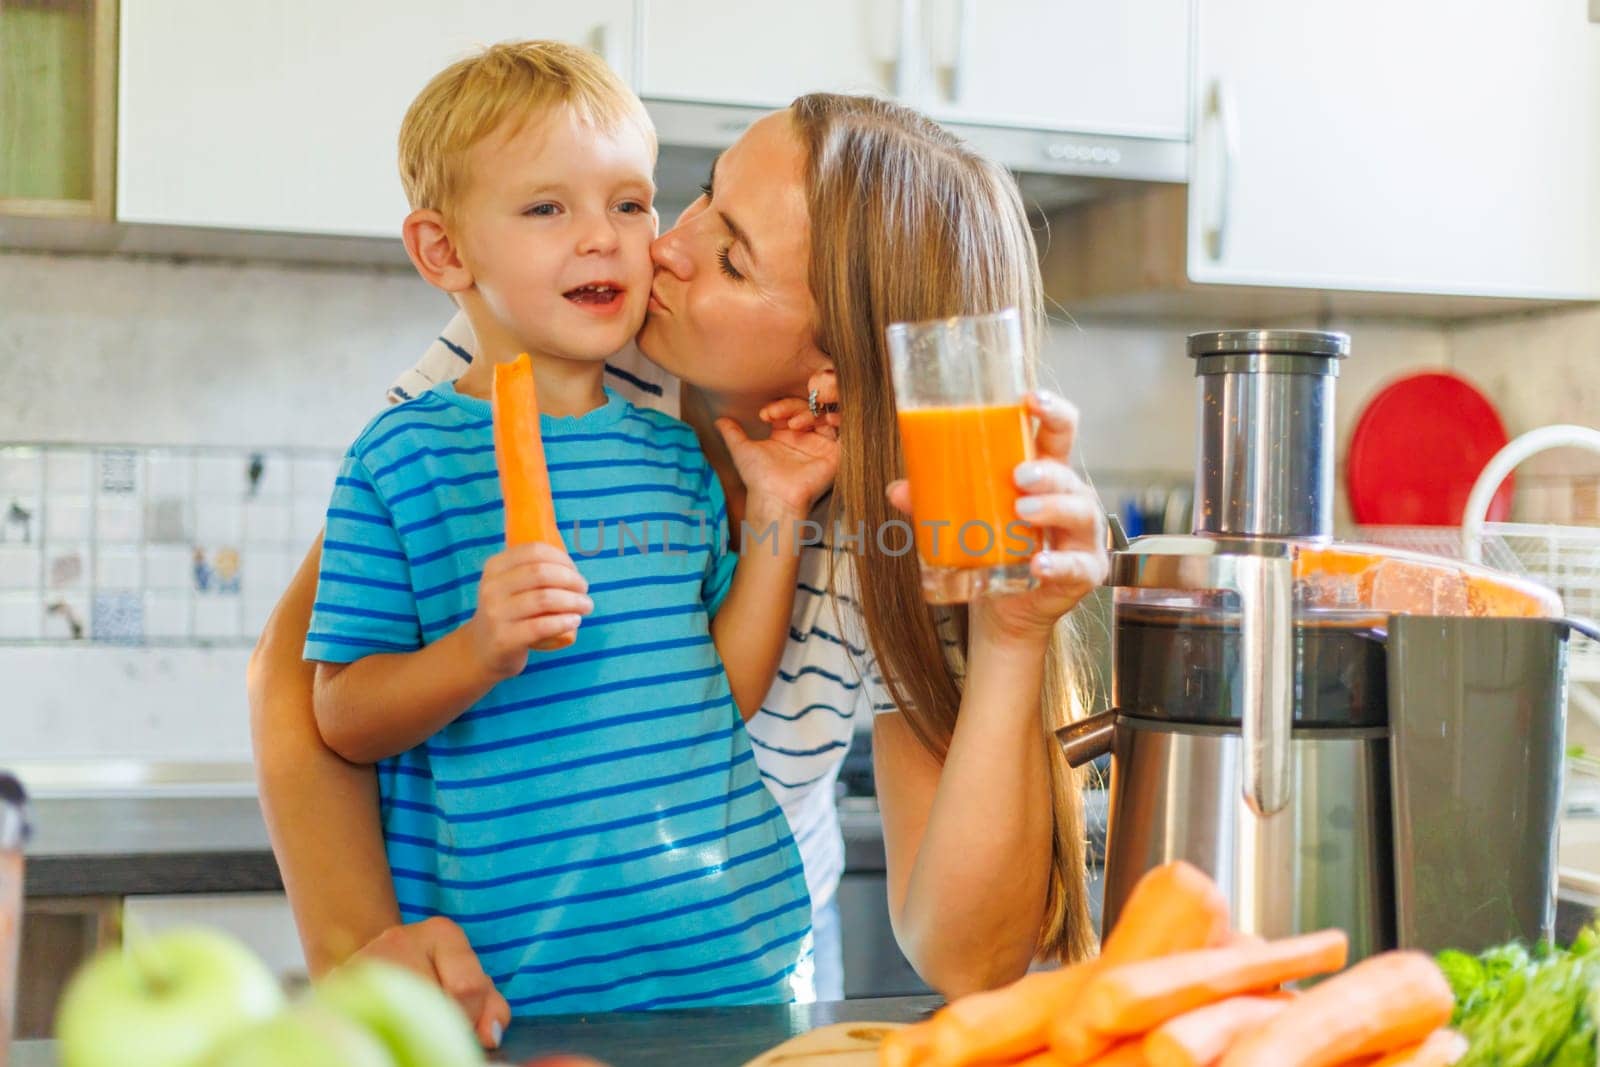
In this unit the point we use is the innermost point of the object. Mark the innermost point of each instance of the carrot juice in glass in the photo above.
(959, 386)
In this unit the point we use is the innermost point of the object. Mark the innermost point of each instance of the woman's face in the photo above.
(731, 309)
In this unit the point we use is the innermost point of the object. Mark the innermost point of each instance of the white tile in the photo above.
(166, 615)
(169, 473)
(66, 518)
(61, 612)
(66, 567)
(218, 522)
(21, 616)
(117, 568)
(169, 519)
(216, 617)
(19, 566)
(19, 470)
(221, 476)
(118, 519)
(268, 522)
(170, 569)
(68, 471)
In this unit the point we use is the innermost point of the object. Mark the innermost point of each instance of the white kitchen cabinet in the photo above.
(1081, 65)
(767, 52)
(1404, 147)
(284, 116)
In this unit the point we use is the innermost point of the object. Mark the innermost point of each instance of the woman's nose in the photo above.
(668, 253)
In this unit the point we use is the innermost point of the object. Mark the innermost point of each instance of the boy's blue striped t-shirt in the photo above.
(597, 825)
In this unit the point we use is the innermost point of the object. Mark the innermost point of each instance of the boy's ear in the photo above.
(433, 251)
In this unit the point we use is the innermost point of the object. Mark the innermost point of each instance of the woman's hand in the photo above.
(1073, 560)
(438, 950)
(788, 471)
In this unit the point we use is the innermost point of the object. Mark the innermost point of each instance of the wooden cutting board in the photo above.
(838, 1045)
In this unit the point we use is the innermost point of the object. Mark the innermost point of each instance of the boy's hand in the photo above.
(797, 462)
(527, 594)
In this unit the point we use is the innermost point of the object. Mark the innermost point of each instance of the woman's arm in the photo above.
(969, 841)
(321, 812)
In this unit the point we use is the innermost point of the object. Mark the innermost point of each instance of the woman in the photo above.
(822, 224)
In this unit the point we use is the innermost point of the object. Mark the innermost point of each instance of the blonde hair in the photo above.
(908, 223)
(515, 80)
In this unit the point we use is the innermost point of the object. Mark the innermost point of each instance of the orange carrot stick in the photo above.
(524, 478)
(1134, 997)
(1042, 1058)
(1200, 1037)
(908, 1046)
(1126, 1054)
(1439, 1049)
(1174, 908)
(1005, 1023)
(1384, 1003)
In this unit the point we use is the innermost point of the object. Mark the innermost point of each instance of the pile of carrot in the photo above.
(1175, 986)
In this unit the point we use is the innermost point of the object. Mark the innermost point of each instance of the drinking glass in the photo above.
(959, 385)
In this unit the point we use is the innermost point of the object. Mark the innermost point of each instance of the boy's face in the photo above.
(555, 225)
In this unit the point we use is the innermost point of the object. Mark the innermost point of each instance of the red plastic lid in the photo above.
(1418, 447)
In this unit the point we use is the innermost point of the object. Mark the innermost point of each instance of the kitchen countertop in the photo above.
(705, 1037)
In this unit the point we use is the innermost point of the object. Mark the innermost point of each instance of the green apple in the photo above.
(163, 1001)
(307, 1035)
(416, 1020)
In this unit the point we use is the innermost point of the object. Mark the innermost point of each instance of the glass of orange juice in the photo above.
(959, 385)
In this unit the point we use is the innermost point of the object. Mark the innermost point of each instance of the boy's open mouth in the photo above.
(597, 294)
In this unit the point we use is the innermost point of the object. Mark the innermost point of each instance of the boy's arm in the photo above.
(383, 704)
(752, 625)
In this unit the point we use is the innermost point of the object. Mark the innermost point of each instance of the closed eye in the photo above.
(727, 265)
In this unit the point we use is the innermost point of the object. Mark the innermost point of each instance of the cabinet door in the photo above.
(767, 52)
(284, 116)
(1081, 65)
(1411, 147)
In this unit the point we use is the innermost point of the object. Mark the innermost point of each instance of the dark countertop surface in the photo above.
(705, 1037)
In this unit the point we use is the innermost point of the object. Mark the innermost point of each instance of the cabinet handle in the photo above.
(602, 42)
(955, 75)
(1219, 112)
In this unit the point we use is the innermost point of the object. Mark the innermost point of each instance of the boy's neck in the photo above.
(565, 386)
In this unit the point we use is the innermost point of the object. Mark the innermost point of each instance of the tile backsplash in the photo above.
(152, 545)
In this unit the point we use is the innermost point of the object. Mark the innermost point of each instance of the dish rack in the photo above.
(1564, 558)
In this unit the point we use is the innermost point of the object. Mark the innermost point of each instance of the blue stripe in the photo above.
(641, 583)
(460, 546)
(797, 785)
(840, 597)
(362, 549)
(353, 483)
(651, 886)
(658, 946)
(819, 672)
(619, 490)
(597, 760)
(362, 613)
(426, 403)
(352, 642)
(425, 452)
(446, 587)
(665, 972)
(492, 711)
(721, 833)
(591, 438)
(723, 991)
(568, 932)
(829, 747)
(796, 635)
(637, 616)
(610, 464)
(438, 483)
(426, 427)
(633, 380)
(357, 516)
(588, 830)
(445, 750)
(445, 625)
(370, 583)
(450, 513)
(462, 353)
(803, 712)
(640, 785)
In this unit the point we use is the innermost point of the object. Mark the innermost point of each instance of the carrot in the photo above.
(1005, 1023)
(1126, 1054)
(1381, 1004)
(1134, 997)
(1439, 1049)
(524, 478)
(909, 1046)
(1042, 1058)
(1173, 908)
(1201, 1037)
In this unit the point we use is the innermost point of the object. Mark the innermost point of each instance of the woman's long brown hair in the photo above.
(907, 224)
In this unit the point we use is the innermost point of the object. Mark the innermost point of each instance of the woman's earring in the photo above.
(819, 410)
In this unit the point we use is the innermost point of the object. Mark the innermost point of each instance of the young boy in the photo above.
(593, 816)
